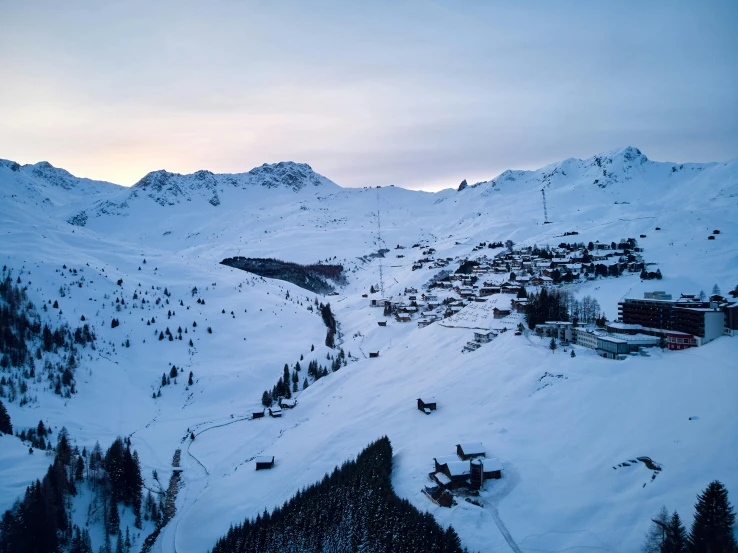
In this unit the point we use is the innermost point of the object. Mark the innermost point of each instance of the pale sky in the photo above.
(420, 94)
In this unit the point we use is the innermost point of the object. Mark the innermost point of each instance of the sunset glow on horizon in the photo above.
(419, 94)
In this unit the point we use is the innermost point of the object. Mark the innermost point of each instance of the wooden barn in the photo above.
(257, 414)
(373, 354)
(470, 450)
(263, 463)
(427, 405)
(492, 469)
(451, 473)
(287, 403)
(275, 413)
(382, 323)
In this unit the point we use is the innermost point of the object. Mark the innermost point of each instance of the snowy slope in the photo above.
(557, 437)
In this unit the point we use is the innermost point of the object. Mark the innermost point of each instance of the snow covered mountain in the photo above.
(559, 425)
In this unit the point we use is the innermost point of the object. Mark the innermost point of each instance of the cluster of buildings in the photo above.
(469, 468)
(509, 272)
(654, 320)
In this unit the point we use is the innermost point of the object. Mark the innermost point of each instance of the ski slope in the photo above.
(558, 424)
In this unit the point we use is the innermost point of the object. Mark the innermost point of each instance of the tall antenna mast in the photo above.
(380, 243)
(545, 209)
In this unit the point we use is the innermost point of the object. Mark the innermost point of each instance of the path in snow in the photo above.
(504, 531)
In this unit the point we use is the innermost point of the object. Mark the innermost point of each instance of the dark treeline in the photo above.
(24, 341)
(330, 323)
(310, 277)
(546, 305)
(40, 521)
(5, 425)
(352, 510)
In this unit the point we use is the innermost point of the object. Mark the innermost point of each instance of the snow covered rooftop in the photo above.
(458, 468)
(447, 459)
(491, 464)
(442, 478)
(473, 448)
(624, 326)
(264, 459)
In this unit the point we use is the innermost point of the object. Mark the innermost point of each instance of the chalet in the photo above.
(466, 292)
(422, 323)
(287, 403)
(378, 302)
(411, 291)
(483, 337)
(485, 291)
(403, 317)
(519, 304)
(263, 463)
(500, 313)
(257, 414)
(427, 405)
(470, 450)
(275, 413)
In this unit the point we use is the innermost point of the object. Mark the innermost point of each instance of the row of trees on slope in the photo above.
(41, 520)
(352, 510)
(711, 531)
(559, 305)
(31, 350)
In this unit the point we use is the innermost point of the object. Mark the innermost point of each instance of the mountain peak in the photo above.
(628, 153)
(288, 174)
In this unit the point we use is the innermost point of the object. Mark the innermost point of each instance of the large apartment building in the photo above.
(695, 322)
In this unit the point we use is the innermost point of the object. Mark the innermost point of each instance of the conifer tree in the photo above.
(266, 399)
(5, 425)
(712, 529)
(676, 536)
(113, 516)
